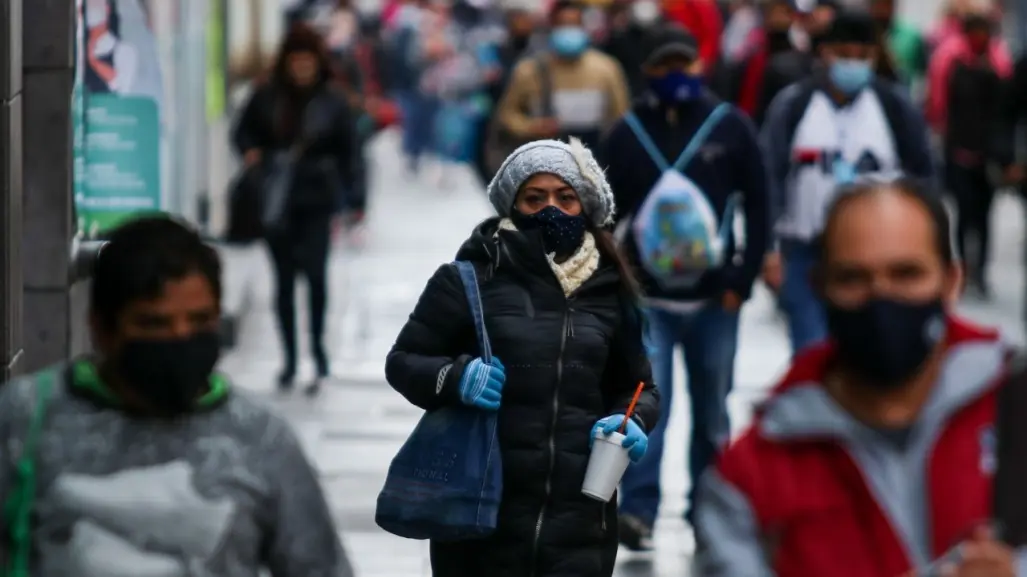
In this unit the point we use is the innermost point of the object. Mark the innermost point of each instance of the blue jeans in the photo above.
(806, 322)
(708, 338)
(418, 124)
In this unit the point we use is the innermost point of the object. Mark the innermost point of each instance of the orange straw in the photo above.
(631, 407)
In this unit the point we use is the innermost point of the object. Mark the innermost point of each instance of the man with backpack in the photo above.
(825, 132)
(142, 460)
(681, 164)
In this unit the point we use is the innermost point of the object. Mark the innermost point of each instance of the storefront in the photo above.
(142, 104)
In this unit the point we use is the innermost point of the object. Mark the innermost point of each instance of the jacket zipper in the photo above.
(567, 331)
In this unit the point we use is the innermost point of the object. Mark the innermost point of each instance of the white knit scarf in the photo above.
(574, 271)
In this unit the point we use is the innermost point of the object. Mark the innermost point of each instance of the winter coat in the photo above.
(325, 133)
(569, 361)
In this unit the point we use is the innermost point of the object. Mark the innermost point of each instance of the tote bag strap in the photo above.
(470, 281)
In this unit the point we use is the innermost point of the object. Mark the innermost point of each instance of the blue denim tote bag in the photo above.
(446, 482)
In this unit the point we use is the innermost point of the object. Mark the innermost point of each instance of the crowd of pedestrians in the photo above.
(648, 163)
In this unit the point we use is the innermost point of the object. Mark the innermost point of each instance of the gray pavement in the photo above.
(352, 430)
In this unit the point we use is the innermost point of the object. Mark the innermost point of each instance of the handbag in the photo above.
(245, 224)
(17, 511)
(446, 482)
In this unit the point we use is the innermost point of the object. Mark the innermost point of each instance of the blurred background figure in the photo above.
(296, 137)
(569, 90)
(408, 23)
(776, 60)
(744, 20)
(703, 19)
(631, 22)
(520, 38)
(903, 46)
(965, 83)
(460, 60)
(816, 17)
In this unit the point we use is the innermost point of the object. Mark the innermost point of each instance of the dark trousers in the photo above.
(302, 248)
(973, 192)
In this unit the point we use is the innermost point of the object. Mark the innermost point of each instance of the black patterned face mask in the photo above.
(562, 233)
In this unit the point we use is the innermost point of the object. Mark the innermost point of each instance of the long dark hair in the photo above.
(300, 38)
(608, 250)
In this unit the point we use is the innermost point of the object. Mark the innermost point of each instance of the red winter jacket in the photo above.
(809, 491)
(701, 18)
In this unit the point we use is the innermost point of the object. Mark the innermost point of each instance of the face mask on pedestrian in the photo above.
(850, 75)
(562, 233)
(569, 41)
(171, 374)
(676, 87)
(645, 13)
(884, 341)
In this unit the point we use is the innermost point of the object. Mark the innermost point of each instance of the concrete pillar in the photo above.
(10, 187)
(53, 309)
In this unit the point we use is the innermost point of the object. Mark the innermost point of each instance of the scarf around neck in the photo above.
(574, 271)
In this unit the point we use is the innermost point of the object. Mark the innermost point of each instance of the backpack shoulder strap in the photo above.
(797, 109)
(700, 136)
(469, 278)
(892, 105)
(646, 141)
(18, 509)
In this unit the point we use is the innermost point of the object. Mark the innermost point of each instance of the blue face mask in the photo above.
(850, 75)
(676, 87)
(569, 41)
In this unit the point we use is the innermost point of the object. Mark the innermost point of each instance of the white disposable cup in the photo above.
(606, 466)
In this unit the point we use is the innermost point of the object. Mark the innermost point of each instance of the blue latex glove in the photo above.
(635, 439)
(481, 385)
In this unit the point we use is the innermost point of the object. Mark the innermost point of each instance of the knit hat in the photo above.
(573, 163)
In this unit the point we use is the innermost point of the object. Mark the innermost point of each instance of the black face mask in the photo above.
(884, 341)
(561, 233)
(171, 374)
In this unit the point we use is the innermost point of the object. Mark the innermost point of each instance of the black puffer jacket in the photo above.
(569, 362)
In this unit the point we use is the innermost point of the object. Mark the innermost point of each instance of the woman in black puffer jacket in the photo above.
(561, 310)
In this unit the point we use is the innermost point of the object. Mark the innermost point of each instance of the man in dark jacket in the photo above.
(631, 25)
(824, 132)
(704, 317)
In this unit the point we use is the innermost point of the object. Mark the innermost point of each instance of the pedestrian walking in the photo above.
(561, 309)
(964, 99)
(570, 90)
(839, 125)
(139, 459)
(686, 208)
(297, 132)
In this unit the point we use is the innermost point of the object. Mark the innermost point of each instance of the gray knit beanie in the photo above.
(572, 162)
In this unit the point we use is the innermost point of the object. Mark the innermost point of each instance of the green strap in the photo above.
(18, 508)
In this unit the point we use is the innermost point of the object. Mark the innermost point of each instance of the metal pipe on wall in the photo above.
(10, 188)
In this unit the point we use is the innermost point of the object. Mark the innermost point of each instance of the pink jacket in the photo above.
(957, 49)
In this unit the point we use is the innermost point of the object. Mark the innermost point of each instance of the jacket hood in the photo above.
(480, 247)
(523, 252)
(800, 406)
